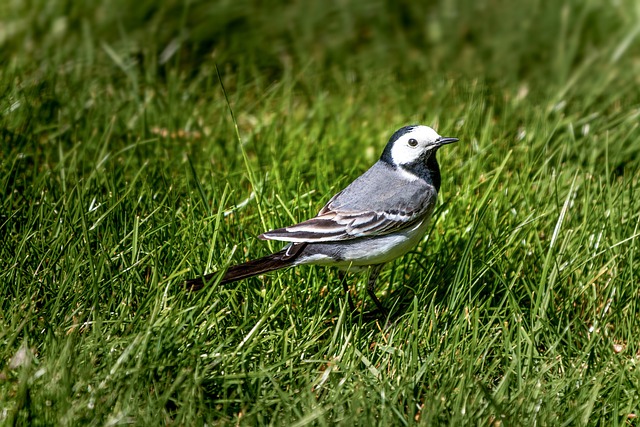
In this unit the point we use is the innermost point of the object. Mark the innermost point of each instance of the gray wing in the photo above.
(379, 202)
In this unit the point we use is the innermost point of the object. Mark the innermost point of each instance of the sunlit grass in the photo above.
(122, 175)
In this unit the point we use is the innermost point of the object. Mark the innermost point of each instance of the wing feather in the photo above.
(334, 226)
(357, 212)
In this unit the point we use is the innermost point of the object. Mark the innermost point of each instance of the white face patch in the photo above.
(404, 153)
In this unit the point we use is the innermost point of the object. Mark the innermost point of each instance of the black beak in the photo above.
(443, 140)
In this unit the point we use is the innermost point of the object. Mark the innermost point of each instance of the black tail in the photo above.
(285, 258)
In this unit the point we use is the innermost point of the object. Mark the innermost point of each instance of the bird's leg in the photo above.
(371, 287)
(343, 279)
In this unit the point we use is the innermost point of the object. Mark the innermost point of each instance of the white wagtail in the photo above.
(377, 218)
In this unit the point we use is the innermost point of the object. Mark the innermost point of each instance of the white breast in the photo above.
(376, 250)
(386, 248)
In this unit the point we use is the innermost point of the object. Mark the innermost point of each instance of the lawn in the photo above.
(144, 143)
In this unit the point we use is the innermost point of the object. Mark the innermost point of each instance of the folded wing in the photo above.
(380, 201)
(336, 226)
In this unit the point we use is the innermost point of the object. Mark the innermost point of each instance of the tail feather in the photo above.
(283, 259)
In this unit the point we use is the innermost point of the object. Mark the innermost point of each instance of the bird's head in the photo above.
(412, 144)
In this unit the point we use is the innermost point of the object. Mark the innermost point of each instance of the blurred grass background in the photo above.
(121, 175)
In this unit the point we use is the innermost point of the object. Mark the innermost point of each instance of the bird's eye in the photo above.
(413, 142)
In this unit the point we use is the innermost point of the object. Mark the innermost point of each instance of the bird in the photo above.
(380, 216)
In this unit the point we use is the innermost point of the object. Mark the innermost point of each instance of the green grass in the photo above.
(122, 175)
